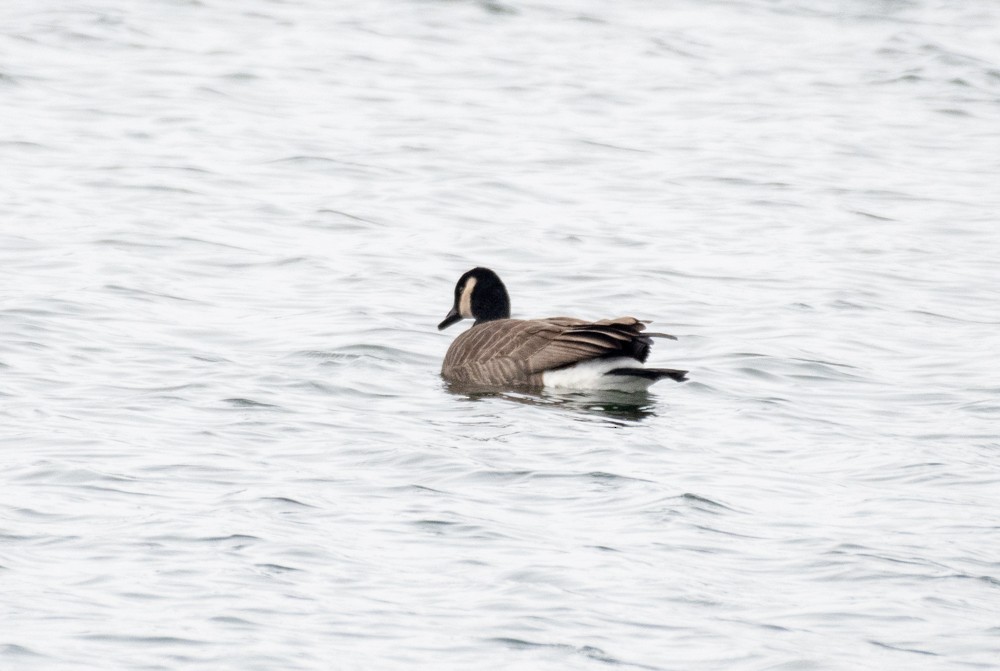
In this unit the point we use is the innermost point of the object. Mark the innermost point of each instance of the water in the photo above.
(230, 228)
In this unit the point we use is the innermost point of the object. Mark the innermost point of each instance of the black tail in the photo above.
(651, 373)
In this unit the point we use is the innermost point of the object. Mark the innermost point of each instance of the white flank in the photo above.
(593, 375)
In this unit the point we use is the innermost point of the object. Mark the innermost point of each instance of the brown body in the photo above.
(516, 352)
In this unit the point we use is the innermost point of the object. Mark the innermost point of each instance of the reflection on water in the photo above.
(632, 406)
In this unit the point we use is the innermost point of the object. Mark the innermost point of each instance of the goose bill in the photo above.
(452, 317)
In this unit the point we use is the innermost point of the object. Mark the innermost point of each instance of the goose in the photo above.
(557, 352)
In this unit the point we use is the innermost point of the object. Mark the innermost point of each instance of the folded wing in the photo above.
(514, 351)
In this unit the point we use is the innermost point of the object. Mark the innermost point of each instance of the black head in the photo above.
(479, 295)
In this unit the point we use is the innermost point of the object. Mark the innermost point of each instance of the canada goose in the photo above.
(557, 352)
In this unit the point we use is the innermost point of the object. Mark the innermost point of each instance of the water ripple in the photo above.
(226, 441)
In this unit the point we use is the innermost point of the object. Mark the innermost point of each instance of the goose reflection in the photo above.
(610, 404)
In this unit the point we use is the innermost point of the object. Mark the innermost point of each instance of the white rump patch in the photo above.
(593, 375)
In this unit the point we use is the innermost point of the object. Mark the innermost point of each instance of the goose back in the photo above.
(519, 351)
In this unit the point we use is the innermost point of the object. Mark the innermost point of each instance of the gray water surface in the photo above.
(228, 232)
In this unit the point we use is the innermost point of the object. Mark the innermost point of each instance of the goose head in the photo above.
(479, 295)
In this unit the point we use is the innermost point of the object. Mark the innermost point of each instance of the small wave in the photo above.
(144, 640)
(701, 502)
(599, 476)
(900, 648)
(360, 352)
(276, 568)
(285, 499)
(588, 651)
(249, 403)
(14, 650)
(145, 294)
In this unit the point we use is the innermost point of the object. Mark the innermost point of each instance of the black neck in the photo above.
(489, 298)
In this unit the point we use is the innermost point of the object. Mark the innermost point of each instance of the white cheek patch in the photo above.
(465, 302)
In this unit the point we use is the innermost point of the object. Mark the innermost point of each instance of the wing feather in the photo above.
(515, 351)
